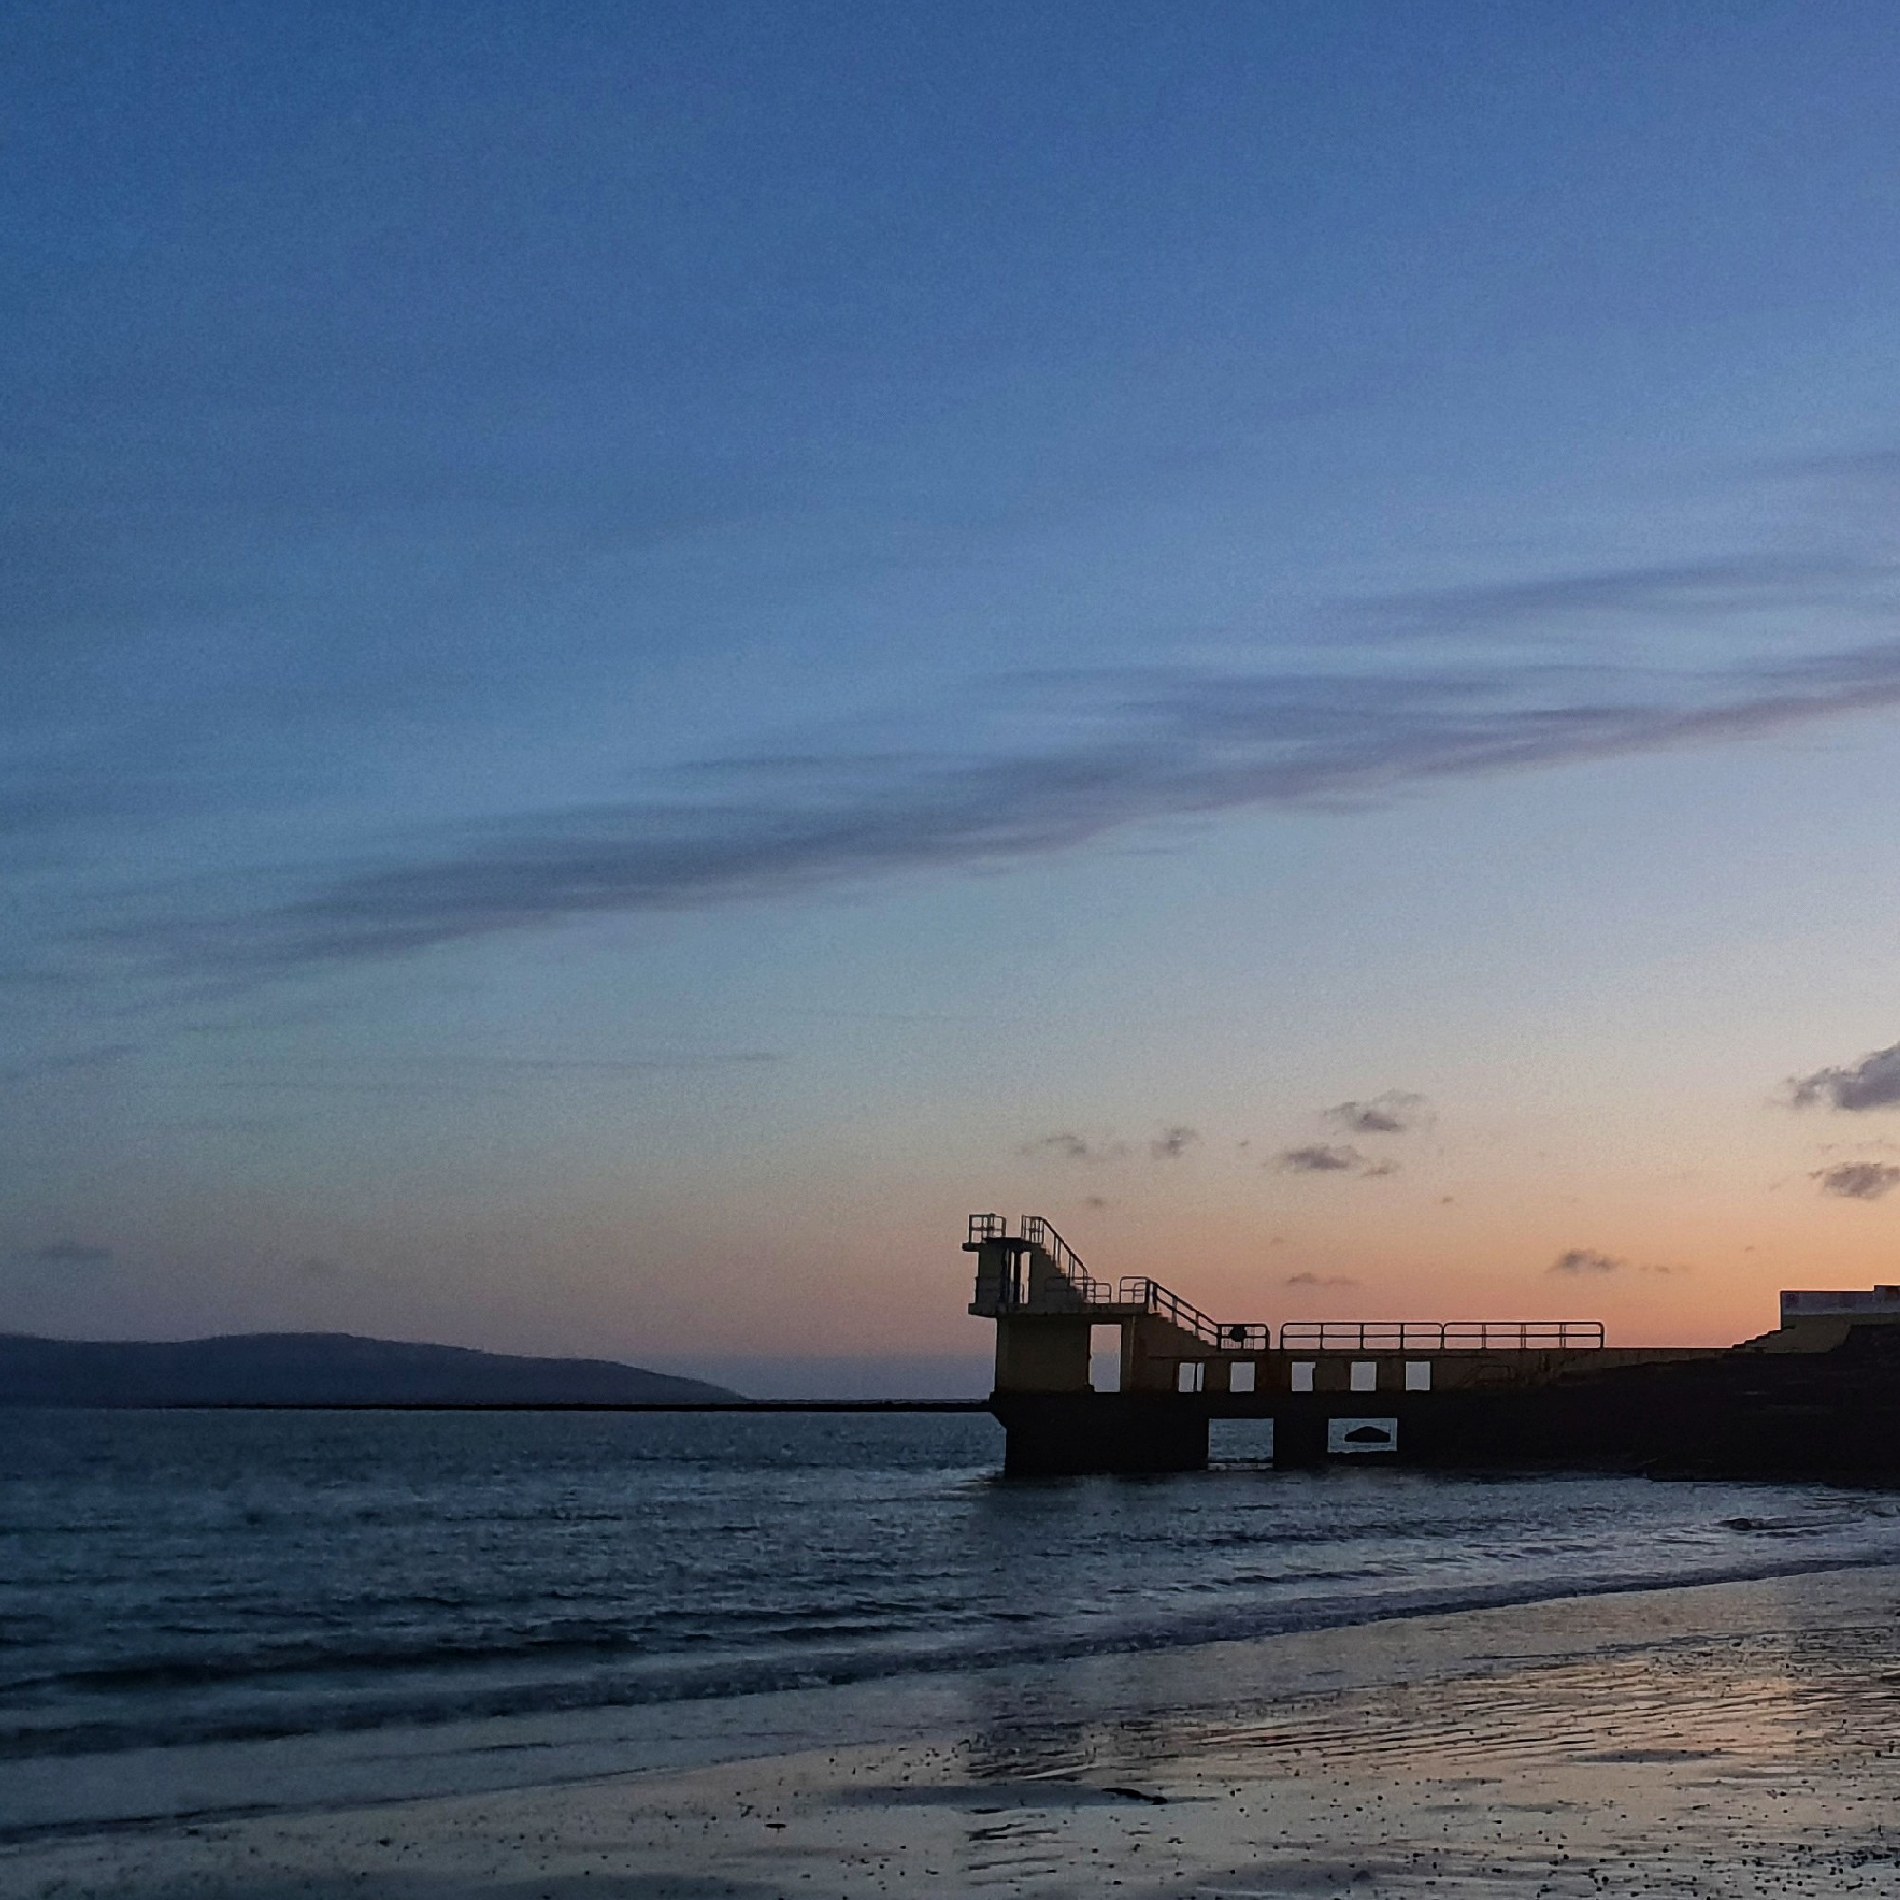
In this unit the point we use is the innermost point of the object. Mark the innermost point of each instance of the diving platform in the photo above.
(1819, 1396)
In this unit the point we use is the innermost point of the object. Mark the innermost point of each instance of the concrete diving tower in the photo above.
(1046, 1307)
(1438, 1392)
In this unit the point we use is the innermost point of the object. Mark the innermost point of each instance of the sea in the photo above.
(177, 1588)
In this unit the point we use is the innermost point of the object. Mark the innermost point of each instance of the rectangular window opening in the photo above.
(1105, 1358)
(1347, 1436)
(1240, 1443)
(1189, 1375)
(1365, 1375)
(1418, 1375)
(1240, 1376)
(1302, 1374)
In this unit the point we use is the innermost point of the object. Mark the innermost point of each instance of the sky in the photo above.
(647, 653)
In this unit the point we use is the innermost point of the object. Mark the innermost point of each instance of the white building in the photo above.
(1882, 1302)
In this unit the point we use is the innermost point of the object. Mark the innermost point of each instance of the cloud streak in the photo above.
(1112, 751)
(1703, 593)
(1066, 1145)
(1322, 1157)
(78, 1061)
(66, 1253)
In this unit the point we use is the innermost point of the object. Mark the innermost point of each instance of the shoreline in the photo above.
(62, 1794)
(1610, 1728)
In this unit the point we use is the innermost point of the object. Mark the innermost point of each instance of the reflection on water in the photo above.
(165, 1577)
(1609, 1687)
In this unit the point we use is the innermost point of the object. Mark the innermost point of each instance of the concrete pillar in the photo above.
(1042, 1352)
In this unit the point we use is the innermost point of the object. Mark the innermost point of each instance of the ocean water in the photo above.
(176, 1579)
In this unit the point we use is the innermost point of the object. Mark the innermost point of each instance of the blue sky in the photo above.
(649, 651)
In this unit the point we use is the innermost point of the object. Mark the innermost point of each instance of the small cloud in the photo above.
(1095, 1200)
(1063, 1147)
(1071, 1147)
(66, 1253)
(1323, 1157)
(1319, 1158)
(1872, 1082)
(1172, 1143)
(1858, 1180)
(1586, 1260)
(1393, 1113)
(1319, 1279)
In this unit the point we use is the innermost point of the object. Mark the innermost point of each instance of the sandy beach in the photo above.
(1728, 1740)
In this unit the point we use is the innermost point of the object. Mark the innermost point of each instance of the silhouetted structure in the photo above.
(1818, 1397)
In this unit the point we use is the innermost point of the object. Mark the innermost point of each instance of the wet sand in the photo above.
(1731, 1741)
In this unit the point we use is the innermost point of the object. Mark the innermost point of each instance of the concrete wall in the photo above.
(1042, 1352)
(1161, 1350)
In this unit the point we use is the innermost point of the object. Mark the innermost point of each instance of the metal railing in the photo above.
(1067, 1262)
(1149, 1295)
(1299, 1335)
(1166, 1304)
(1476, 1335)
(1087, 1292)
(1039, 1233)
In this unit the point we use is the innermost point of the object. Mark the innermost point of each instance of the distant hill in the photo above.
(317, 1369)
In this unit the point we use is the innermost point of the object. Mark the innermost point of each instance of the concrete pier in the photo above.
(1817, 1397)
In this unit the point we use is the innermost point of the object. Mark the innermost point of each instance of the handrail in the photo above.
(1298, 1335)
(1150, 1295)
(1170, 1306)
(1039, 1233)
(1473, 1335)
(1067, 1262)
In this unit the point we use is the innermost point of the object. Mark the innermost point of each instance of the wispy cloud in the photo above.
(1696, 593)
(1586, 1260)
(421, 1073)
(1319, 1279)
(65, 1253)
(1321, 1157)
(103, 1055)
(1068, 1146)
(1120, 749)
(1172, 1143)
(1858, 1180)
(603, 1065)
(1393, 1113)
(1872, 1082)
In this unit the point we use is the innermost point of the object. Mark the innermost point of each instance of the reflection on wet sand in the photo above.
(1728, 1743)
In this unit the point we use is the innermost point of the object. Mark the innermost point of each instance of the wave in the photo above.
(417, 1695)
